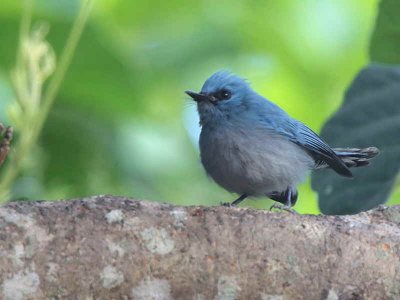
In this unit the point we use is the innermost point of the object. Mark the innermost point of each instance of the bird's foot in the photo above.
(227, 204)
(283, 207)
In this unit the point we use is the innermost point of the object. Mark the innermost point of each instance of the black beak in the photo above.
(198, 96)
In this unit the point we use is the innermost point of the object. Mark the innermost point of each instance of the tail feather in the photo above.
(354, 157)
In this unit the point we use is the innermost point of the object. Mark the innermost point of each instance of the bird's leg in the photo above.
(236, 202)
(288, 198)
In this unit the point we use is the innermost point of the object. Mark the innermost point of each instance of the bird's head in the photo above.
(223, 95)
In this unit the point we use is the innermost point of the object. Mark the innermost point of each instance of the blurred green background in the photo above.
(121, 123)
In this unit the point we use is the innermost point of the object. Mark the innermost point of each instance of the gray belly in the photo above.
(253, 162)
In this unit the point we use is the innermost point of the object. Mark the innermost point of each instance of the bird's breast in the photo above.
(252, 161)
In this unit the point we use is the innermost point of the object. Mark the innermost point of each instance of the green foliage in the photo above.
(374, 95)
(121, 123)
(369, 116)
(35, 64)
(385, 41)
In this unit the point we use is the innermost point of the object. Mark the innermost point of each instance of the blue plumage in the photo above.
(252, 147)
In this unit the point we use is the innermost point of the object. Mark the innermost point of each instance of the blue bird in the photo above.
(251, 147)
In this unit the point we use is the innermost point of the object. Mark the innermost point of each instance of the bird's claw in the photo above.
(226, 204)
(283, 207)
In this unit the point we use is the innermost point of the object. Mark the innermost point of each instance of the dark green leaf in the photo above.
(370, 116)
(385, 41)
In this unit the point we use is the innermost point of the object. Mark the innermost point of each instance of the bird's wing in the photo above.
(281, 123)
(317, 148)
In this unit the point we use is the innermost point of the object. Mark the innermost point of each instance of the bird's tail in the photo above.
(355, 157)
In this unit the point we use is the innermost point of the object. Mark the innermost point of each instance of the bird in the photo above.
(251, 147)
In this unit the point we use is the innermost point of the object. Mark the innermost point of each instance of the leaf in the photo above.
(385, 41)
(370, 116)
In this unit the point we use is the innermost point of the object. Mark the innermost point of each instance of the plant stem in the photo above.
(65, 61)
(30, 132)
(26, 20)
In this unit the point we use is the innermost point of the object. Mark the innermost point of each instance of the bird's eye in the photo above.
(224, 94)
